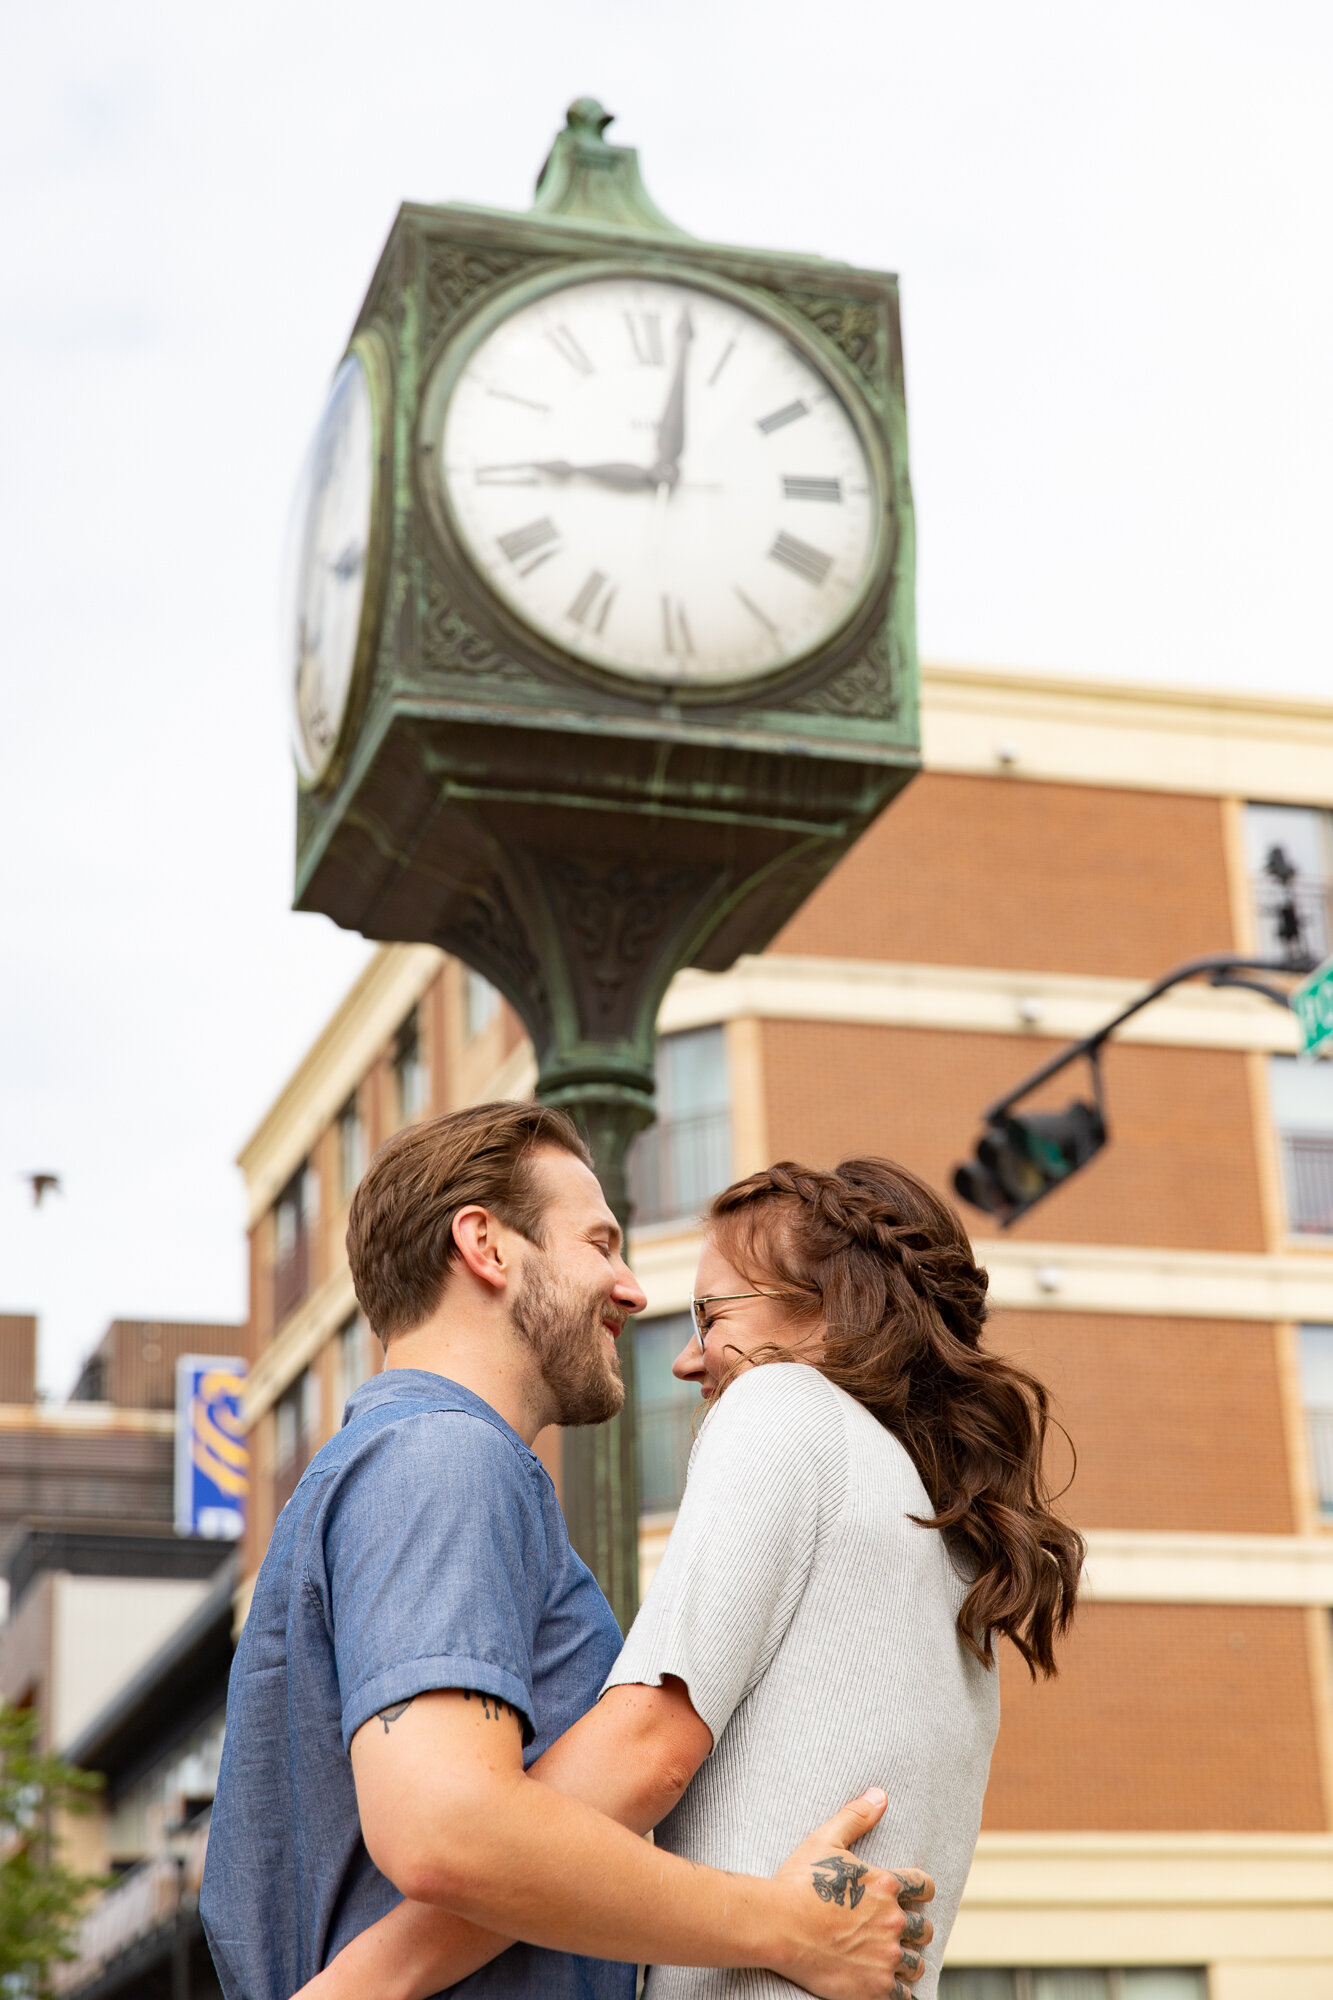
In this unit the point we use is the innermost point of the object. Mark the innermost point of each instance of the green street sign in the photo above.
(1312, 1002)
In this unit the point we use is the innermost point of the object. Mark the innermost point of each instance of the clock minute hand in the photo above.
(671, 429)
(612, 472)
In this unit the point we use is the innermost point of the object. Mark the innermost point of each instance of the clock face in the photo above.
(327, 566)
(660, 482)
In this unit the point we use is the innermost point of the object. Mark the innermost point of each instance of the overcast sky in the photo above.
(1112, 227)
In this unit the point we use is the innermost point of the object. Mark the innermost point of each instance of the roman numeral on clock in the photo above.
(595, 598)
(567, 347)
(645, 333)
(675, 631)
(798, 487)
(786, 415)
(811, 563)
(529, 547)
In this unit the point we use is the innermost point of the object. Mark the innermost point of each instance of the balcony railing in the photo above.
(666, 1435)
(149, 1897)
(290, 1277)
(1308, 1160)
(678, 1165)
(1303, 907)
(1319, 1427)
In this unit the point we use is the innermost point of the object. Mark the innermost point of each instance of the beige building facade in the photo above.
(1066, 843)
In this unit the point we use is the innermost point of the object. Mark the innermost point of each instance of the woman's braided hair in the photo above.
(884, 1263)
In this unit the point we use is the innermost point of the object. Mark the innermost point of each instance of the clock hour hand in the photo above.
(671, 429)
(612, 472)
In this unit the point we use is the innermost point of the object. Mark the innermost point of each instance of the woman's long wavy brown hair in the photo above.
(877, 1257)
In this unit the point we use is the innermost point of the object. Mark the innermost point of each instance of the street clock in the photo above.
(601, 642)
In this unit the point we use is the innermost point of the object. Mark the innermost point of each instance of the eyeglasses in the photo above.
(700, 1317)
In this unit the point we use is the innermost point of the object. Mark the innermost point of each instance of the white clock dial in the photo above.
(660, 481)
(327, 566)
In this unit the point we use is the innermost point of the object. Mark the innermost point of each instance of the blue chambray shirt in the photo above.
(423, 1548)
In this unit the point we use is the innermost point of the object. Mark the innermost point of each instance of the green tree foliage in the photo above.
(40, 1899)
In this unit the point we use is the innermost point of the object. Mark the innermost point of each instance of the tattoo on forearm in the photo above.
(835, 1878)
(490, 1707)
(393, 1711)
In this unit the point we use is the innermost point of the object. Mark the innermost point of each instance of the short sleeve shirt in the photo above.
(424, 1548)
(814, 1622)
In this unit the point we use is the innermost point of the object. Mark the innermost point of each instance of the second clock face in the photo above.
(660, 481)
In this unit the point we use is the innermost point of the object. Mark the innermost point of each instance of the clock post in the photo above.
(603, 647)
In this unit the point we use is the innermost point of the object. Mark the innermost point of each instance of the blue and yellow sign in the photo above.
(212, 1457)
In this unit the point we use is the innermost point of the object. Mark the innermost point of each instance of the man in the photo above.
(421, 1633)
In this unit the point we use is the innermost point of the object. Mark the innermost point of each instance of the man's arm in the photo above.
(450, 1816)
(631, 1756)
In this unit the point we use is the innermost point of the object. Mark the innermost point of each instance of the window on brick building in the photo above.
(353, 1357)
(1289, 854)
(409, 1068)
(1301, 1094)
(351, 1146)
(679, 1164)
(666, 1410)
(295, 1433)
(294, 1217)
(1317, 1396)
(1139, 1982)
(481, 1004)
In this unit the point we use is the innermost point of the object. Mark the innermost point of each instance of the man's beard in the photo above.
(564, 1329)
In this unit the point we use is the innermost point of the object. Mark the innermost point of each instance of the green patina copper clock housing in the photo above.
(635, 661)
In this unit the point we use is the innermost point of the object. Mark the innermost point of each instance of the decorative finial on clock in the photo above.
(586, 115)
(587, 180)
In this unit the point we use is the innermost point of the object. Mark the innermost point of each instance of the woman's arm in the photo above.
(631, 1757)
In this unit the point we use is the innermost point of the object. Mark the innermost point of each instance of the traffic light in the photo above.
(1022, 1158)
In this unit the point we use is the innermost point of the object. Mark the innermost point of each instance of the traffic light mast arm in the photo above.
(1022, 1157)
(1221, 968)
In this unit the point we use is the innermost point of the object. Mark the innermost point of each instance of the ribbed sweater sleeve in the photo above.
(766, 1481)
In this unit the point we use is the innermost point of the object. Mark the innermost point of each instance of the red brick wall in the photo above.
(1177, 1423)
(1175, 1718)
(1004, 872)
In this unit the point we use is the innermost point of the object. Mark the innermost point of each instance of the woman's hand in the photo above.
(866, 1941)
(408, 1955)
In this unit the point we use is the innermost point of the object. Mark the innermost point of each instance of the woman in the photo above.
(858, 1526)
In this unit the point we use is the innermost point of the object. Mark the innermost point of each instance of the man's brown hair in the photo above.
(400, 1241)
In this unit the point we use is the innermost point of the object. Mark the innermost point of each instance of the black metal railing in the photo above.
(666, 1436)
(678, 1165)
(1293, 918)
(1307, 1158)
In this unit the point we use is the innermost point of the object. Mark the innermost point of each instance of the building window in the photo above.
(409, 1068)
(1301, 1093)
(1317, 1396)
(679, 1164)
(481, 1003)
(351, 1147)
(1289, 852)
(666, 1411)
(354, 1368)
(295, 1434)
(294, 1217)
(1139, 1982)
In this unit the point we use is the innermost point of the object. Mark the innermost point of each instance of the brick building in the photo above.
(1159, 1823)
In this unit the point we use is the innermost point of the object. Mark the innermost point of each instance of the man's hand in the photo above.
(858, 1931)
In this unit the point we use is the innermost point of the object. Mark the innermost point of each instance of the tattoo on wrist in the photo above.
(393, 1711)
(838, 1880)
(490, 1707)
